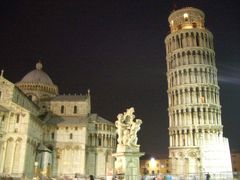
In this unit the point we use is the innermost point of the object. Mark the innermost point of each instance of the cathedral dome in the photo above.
(37, 84)
(37, 76)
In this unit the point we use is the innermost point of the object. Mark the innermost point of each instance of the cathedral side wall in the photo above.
(70, 108)
(19, 128)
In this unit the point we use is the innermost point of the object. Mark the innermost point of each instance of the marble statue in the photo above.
(128, 151)
(127, 128)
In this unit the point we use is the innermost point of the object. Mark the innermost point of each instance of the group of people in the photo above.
(208, 176)
(91, 177)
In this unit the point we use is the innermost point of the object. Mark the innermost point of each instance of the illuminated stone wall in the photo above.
(154, 166)
(20, 131)
(235, 156)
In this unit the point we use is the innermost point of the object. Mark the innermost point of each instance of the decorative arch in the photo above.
(8, 155)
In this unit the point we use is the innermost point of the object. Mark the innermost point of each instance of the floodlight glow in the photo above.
(185, 15)
(152, 163)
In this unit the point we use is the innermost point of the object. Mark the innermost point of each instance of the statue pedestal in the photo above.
(127, 165)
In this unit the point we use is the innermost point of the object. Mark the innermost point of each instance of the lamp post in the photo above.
(36, 177)
(152, 165)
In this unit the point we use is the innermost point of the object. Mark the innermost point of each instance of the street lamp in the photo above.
(36, 170)
(152, 163)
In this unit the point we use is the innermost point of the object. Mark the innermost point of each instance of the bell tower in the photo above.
(197, 145)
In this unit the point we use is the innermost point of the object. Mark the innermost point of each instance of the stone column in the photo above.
(176, 142)
(185, 137)
(180, 138)
(191, 137)
(54, 160)
(2, 155)
(171, 144)
(12, 158)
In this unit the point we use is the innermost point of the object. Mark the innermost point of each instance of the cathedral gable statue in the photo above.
(127, 128)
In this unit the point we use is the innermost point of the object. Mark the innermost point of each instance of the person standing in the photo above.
(91, 177)
(208, 176)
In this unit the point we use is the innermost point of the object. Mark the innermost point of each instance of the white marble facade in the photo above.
(59, 132)
(195, 125)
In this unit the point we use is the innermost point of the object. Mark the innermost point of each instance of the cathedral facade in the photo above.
(197, 145)
(43, 133)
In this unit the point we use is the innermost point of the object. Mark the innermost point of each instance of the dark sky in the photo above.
(116, 48)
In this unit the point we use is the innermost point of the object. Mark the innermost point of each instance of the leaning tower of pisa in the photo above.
(197, 145)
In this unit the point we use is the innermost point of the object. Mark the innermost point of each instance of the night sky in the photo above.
(116, 48)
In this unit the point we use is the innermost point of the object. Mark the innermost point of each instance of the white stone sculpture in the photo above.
(128, 151)
(127, 128)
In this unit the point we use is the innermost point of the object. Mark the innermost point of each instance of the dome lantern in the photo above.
(39, 66)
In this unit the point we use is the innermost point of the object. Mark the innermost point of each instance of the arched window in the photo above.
(52, 135)
(71, 136)
(185, 15)
(75, 110)
(194, 25)
(99, 142)
(3, 117)
(62, 109)
(18, 118)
